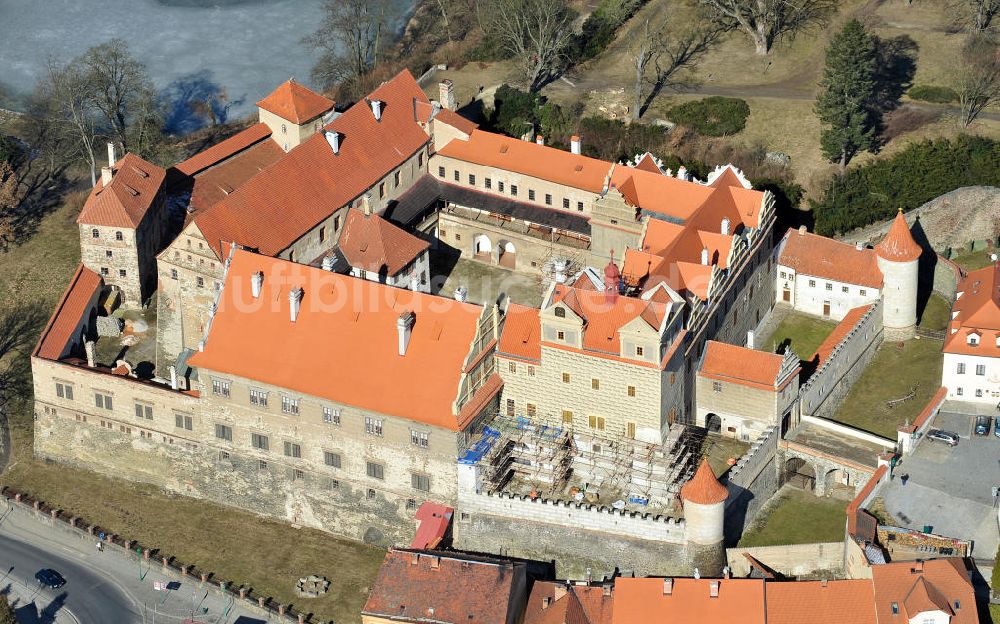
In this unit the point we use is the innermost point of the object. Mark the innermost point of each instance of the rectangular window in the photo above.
(258, 398)
(289, 405)
(513, 190)
(716, 386)
(375, 470)
(548, 199)
(331, 459)
(440, 172)
(261, 465)
(144, 411)
(510, 407)
(960, 369)
(829, 286)
(980, 369)
(259, 441)
(531, 371)
(173, 274)
(500, 186)
(567, 417)
(844, 289)
(182, 421)
(381, 190)
(862, 292)
(531, 194)
(631, 391)
(109, 254)
(488, 183)
(812, 283)
(373, 426)
(419, 438)
(322, 233)
(104, 271)
(958, 391)
(103, 401)
(596, 423)
(395, 180)
(529, 409)
(639, 350)
(782, 274)
(224, 432)
(293, 450)
(472, 180)
(457, 176)
(420, 482)
(512, 367)
(371, 494)
(565, 377)
(64, 391)
(630, 430)
(595, 384)
(566, 203)
(121, 273)
(579, 206)
(220, 388)
(331, 416)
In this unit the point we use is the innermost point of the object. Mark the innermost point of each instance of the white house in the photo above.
(972, 347)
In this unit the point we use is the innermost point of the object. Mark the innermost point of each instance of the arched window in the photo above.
(560, 312)
(284, 130)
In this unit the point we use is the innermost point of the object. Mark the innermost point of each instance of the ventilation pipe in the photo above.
(668, 586)
(704, 256)
(295, 302)
(377, 109)
(574, 144)
(256, 282)
(333, 138)
(539, 139)
(725, 226)
(404, 327)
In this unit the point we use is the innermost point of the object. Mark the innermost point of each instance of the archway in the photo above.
(482, 247)
(508, 254)
(713, 423)
(837, 483)
(799, 473)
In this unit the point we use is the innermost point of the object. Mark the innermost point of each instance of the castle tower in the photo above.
(704, 500)
(293, 113)
(898, 258)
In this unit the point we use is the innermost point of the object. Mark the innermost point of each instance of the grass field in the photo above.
(936, 313)
(802, 332)
(971, 261)
(718, 449)
(797, 517)
(894, 371)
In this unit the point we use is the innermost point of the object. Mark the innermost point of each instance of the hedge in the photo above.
(712, 116)
(930, 93)
(598, 30)
(911, 178)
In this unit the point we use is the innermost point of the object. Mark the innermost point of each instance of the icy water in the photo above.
(190, 47)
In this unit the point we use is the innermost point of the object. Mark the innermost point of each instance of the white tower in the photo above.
(704, 500)
(898, 259)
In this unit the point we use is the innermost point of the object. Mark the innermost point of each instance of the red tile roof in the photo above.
(521, 333)
(224, 149)
(373, 244)
(977, 310)
(803, 602)
(456, 121)
(125, 201)
(819, 256)
(919, 587)
(739, 365)
(704, 487)
(569, 604)
(604, 316)
(689, 601)
(315, 181)
(75, 302)
(898, 244)
(295, 103)
(445, 588)
(648, 163)
(434, 520)
(355, 321)
(844, 327)
(213, 184)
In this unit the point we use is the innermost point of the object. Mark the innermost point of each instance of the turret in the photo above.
(898, 259)
(704, 500)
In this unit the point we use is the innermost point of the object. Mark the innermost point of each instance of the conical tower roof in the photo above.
(898, 245)
(704, 488)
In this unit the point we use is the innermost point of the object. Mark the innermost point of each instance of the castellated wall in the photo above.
(826, 389)
(578, 536)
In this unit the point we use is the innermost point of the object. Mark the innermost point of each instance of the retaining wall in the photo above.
(824, 559)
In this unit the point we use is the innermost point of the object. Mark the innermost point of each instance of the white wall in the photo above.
(808, 293)
(963, 387)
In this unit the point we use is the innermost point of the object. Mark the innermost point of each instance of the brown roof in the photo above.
(295, 103)
(801, 602)
(921, 586)
(445, 588)
(124, 202)
(315, 181)
(224, 149)
(552, 602)
(66, 318)
(704, 488)
(898, 245)
(740, 365)
(819, 256)
(371, 243)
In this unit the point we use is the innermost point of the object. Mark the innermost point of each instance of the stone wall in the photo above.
(819, 560)
(752, 482)
(826, 389)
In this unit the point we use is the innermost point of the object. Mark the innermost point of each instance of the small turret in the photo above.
(704, 499)
(898, 257)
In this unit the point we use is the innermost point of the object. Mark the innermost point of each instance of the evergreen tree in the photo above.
(6, 611)
(847, 103)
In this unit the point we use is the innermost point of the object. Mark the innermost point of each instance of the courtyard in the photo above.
(484, 281)
(788, 328)
(796, 516)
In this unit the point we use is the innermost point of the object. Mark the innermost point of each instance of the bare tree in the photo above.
(977, 15)
(533, 32)
(659, 56)
(978, 76)
(765, 21)
(10, 199)
(64, 102)
(348, 39)
(122, 92)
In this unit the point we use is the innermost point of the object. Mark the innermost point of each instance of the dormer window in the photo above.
(560, 312)
(973, 340)
(561, 335)
(639, 351)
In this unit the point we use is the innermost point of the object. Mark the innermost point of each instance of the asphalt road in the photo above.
(87, 595)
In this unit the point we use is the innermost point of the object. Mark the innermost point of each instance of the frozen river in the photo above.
(244, 47)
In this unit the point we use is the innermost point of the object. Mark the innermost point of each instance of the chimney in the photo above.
(750, 339)
(704, 255)
(404, 326)
(295, 302)
(725, 569)
(606, 589)
(435, 563)
(539, 139)
(366, 204)
(461, 294)
(414, 558)
(574, 144)
(859, 246)
(668, 586)
(173, 377)
(106, 174)
(327, 263)
(822, 583)
(446, 94)
(256, 281)
(724, 229)
(377, 109)
(713, 589)
(682, 173)
(90, 348)
(918, 566)
(333, 138)
(112, 157)
(802, 230)
(697, 573)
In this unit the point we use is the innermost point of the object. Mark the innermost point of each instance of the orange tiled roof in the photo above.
(373, 244)
(66, 318)
(843, 328)
(648, 163)
(704, 488)
(569, 604)
(346, 329)
(643, 600)
(224, 149)
(802, 602)
(124, 202)
(915, 587)
(819, 256)
(295, 103)
(214, 183)
(456, 121)
(520, 337)
(314, 180)
(898, 244)
(976, 311)
(749, 367)
(603, 317)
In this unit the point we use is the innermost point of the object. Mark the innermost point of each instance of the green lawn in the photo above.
(974, 260)
(995, 613)
(803, 332)
(893, 372)
(797, 517)
(936, 313)
(718, 449)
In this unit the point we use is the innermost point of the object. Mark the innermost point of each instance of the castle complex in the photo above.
(258, 326)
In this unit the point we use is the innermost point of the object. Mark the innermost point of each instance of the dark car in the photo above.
(982, 425)
(996, 427)
(50, 578)
(949, 438)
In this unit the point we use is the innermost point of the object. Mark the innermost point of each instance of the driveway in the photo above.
(949, 488)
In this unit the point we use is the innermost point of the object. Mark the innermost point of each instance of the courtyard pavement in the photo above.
(949, 488)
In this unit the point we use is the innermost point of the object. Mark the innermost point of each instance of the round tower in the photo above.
(704, 500)
(898, 258)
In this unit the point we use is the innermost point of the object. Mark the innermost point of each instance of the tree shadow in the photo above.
(895, 67)
(195, 101)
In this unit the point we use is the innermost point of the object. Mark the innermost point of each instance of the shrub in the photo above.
(598, 30)
(909, 179)
(712, 116)
(931, 93)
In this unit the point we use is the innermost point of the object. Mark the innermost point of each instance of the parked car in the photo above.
(996, 426)
(50, 578)
(982, 425)
(949, 438)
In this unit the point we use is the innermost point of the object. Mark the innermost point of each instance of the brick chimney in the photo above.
(404, 327)
(295, 302)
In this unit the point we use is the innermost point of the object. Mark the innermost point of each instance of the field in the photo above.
(802, 332)
(794, 516)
